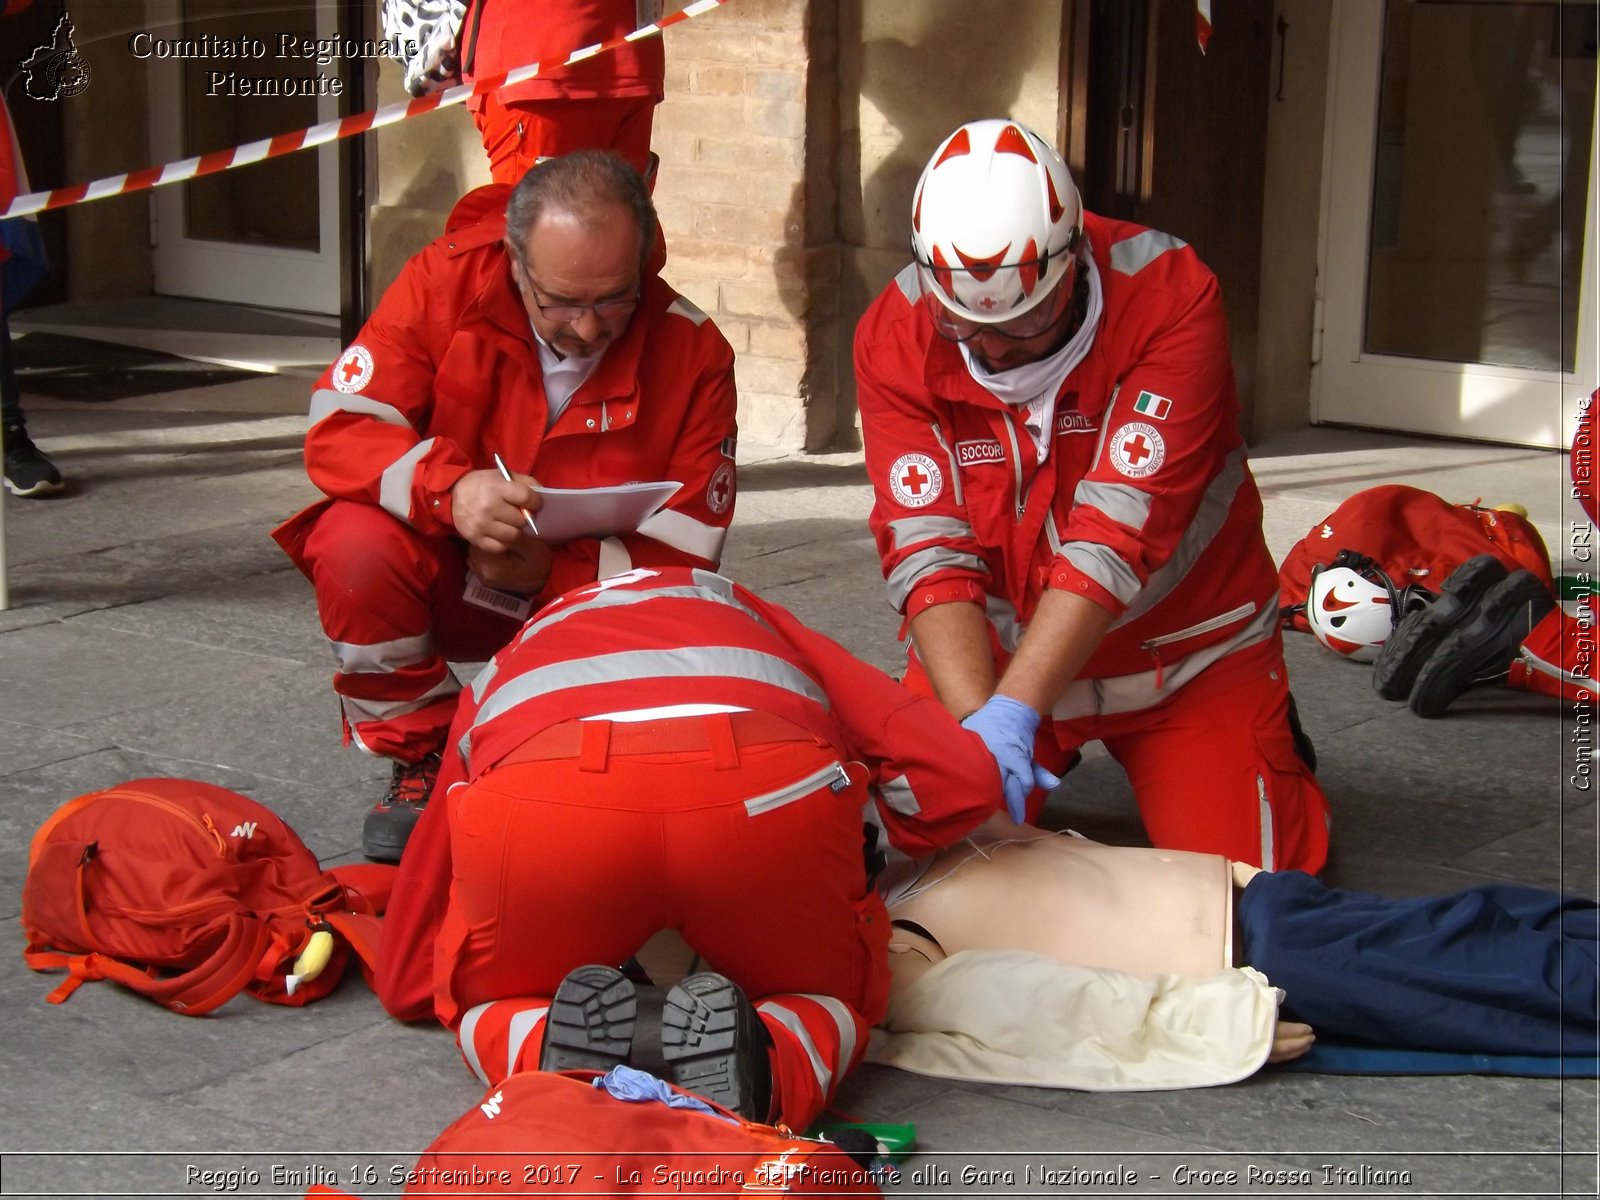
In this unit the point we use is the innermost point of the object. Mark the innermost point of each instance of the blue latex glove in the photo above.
(1007, 727)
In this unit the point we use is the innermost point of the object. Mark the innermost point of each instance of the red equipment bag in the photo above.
(189, 893)
(1418, 538)
(545, 1133)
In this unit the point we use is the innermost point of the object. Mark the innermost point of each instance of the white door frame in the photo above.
(266, 276)
(1467, 400)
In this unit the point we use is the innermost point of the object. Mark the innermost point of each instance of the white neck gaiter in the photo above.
(1034, 386)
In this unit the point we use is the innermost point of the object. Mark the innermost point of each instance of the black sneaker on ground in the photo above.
(716, 1046)
(1413, 641)
(1484, 647)
(28, 471)
(388, 826)
(591, 1021)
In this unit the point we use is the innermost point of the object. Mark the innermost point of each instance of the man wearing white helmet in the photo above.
(1064, 511)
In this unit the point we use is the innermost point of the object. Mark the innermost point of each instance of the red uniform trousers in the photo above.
(1558, 656)
(390, 602)
(1213, 767)
(563, 862)
(518, 134)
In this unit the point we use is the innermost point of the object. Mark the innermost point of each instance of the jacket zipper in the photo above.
(955, 468)
(1021, 503)
(177, 810)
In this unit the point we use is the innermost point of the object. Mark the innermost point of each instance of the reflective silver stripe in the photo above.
(358, 710)
(683, 307)
(325, 402)
(685, 533)
(466, 1034)
(899, 796)
(908, 531)
(844, 1020)
(1138, 252)
(1209, 518)
(909, 281)
(790, 1020)
(517, 1033)
(394, 485)
(1105, 566)
(481, 681)
(1002, 615)
(629, 666)
(1265, 801)
(798, 790)
(381, 658)
(614, 558)
(914, 566)
(616, 598)
(1122, 502)
(1130, 693)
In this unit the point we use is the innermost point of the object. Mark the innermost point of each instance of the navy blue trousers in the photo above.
(1491, 970)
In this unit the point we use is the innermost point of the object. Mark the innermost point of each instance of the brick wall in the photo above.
(745, 196)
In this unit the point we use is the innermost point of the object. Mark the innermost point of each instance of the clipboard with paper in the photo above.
(569, 513)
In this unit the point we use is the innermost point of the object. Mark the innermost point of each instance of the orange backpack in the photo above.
(545, 1133)
(1418, 538)
(189, 893)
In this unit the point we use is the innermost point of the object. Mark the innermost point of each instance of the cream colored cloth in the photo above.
(1011, 1016)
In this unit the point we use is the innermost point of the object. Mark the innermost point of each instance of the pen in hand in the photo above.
(506, 475)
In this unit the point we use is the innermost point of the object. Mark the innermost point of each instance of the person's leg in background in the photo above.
(27, 472)
(517, 135)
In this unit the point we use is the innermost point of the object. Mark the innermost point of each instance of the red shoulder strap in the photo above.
(194, 992)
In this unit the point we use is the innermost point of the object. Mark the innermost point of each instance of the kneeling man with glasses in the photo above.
(527, 345)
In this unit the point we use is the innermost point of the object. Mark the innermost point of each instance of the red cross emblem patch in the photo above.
(1137, 450)
(915, 480)
(719, 492)
(353, 371)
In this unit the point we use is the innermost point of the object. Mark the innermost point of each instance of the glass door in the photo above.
(264, 234)
(1459, 219)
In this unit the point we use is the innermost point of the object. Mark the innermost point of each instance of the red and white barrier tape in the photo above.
(327, 131)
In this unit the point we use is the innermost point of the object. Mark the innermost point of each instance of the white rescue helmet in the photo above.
(1350, 613)
(995, 221)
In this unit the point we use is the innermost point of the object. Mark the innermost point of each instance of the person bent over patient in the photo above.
(1498, 969)
(664, 750)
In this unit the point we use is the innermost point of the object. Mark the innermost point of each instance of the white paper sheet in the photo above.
(569, 513)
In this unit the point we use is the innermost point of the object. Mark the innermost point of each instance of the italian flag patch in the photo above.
(1151, 405)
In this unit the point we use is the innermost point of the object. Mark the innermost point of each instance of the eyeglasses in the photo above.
(565, 313)
(1031, 324)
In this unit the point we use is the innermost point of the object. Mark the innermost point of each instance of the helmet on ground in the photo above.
(1353, 607)
(995, 221)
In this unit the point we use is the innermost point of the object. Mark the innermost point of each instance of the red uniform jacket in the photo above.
(676, 636)
(447, 372)
(1145, 504)
(502, 34)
